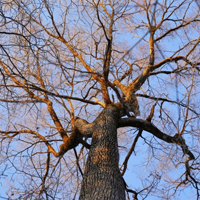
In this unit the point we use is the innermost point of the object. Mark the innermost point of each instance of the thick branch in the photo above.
(84, 128)
(147, 126)
(81, 129)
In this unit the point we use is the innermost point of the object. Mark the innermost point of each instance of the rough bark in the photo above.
(102, 178)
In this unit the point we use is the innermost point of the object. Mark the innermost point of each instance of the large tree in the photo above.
(82, 81)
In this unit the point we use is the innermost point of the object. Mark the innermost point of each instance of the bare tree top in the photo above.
(63, 62)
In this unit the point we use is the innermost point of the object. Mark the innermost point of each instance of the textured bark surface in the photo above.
(102, 178)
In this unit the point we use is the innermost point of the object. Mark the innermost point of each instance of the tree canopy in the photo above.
(63, 62)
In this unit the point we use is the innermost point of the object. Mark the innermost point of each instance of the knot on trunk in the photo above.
(130, 104)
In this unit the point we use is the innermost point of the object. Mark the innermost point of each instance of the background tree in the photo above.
(76, 70)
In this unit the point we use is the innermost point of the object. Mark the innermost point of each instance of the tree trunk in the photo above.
(102, 179)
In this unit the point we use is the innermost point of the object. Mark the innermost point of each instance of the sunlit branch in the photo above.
(12, 134)
(21, 101)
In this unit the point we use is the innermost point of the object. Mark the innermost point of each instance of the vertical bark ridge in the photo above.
(102, 178)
